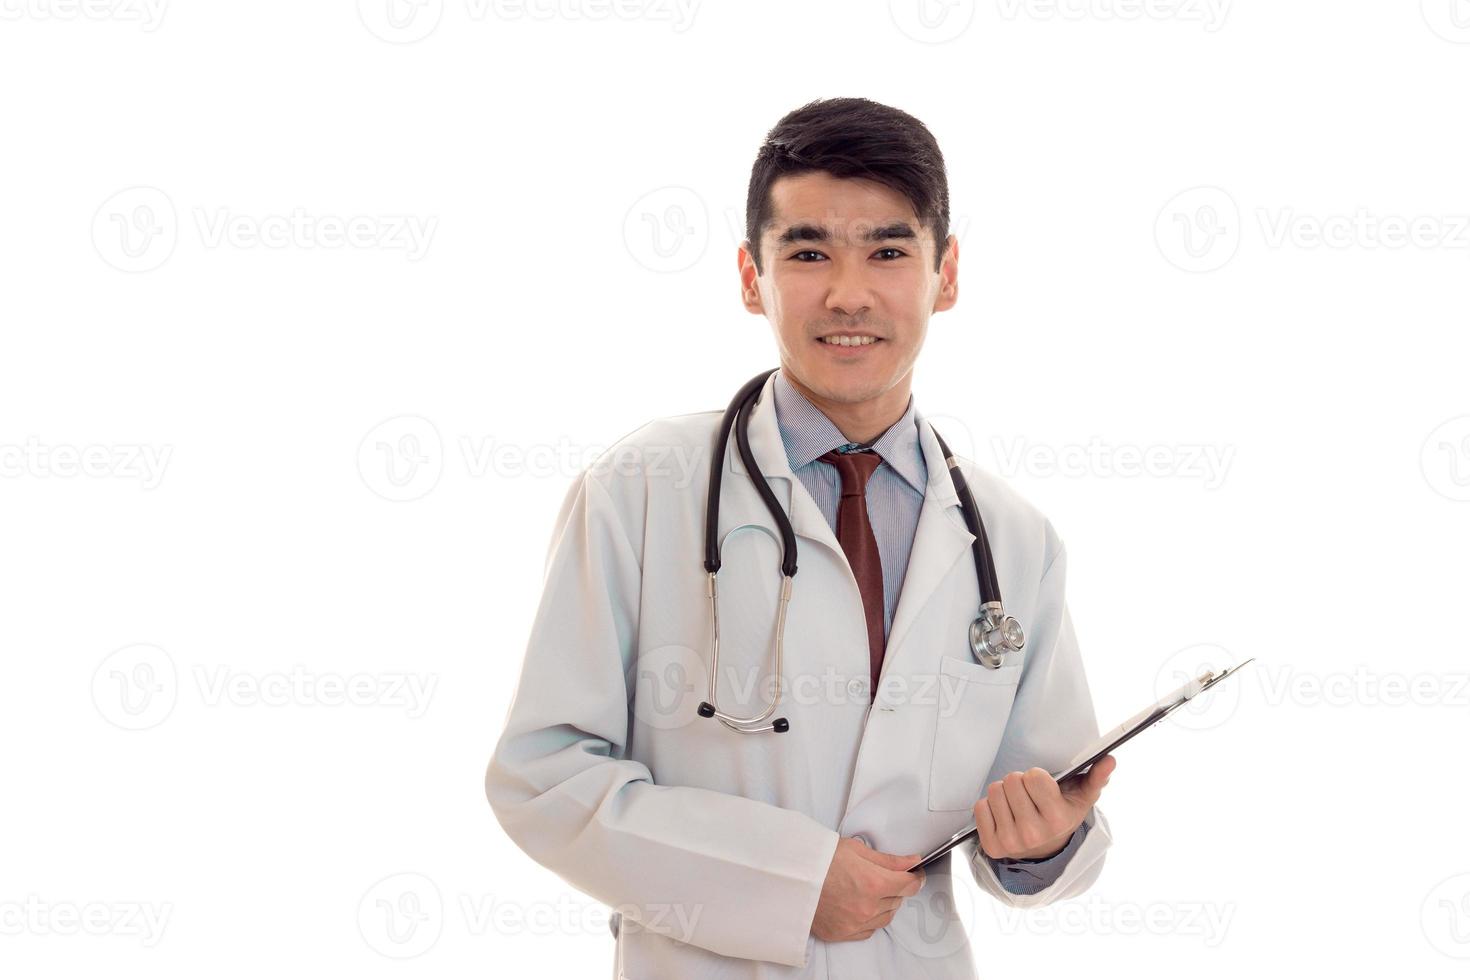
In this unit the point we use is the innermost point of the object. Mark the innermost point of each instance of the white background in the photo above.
(1182, 233)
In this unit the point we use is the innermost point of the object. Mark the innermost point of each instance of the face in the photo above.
(847, 258)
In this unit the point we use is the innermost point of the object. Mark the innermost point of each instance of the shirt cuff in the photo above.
(1027, 876)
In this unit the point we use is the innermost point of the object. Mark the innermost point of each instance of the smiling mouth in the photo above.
(849, 340)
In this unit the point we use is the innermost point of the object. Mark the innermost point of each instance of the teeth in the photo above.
(845, 341)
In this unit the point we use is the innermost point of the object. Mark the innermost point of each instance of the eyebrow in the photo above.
(817, 233)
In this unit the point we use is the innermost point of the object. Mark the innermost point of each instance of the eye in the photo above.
(897, 252)
(806, 251)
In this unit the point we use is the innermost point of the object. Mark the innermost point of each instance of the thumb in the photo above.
(1087, 787)
(1098, 776)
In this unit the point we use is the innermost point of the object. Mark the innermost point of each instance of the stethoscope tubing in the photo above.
(737, 417)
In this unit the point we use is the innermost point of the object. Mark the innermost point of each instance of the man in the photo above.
(785, 854)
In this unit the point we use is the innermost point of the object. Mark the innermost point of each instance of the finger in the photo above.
(899, 884)
(1031, 830)
(891, 862)
(884, 916)
(893, 875)
(1023, 808)
(985, 824)
(1047, 796)
(1005, 823)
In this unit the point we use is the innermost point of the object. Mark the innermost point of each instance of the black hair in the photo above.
(852, 138)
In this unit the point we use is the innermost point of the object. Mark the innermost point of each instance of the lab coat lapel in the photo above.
(940, 549)
(770, 455)
(940, 540)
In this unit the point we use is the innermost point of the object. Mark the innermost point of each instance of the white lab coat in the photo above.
(713, 845)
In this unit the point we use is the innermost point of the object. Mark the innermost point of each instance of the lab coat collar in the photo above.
(770, 453)
(808, 433)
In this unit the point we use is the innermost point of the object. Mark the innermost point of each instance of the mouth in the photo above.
(849, 341)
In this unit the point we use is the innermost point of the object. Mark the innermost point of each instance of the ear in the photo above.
(750, 293)
(949, 276)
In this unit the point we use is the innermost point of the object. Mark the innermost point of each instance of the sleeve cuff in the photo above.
(1026, 876)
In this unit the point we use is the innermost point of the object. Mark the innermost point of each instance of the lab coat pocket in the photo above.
(974, 706)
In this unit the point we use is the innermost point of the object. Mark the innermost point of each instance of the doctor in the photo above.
(784, 853)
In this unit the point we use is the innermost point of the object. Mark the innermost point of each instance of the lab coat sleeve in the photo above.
(1051, 720)
(733, 875)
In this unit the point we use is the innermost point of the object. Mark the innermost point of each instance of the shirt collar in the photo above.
(807, 434)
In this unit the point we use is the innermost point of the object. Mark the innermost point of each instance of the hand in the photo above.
(863, 891)
(1030, 815)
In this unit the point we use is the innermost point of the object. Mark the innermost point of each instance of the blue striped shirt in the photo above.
(895, 492)
(895, 495)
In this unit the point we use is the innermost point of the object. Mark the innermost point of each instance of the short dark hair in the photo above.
(852, 138)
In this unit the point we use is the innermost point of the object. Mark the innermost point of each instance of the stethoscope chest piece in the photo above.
(993, 634)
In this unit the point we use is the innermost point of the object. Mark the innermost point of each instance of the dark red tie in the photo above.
(855, 534)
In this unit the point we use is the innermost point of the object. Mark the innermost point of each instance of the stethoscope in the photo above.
(993, 634)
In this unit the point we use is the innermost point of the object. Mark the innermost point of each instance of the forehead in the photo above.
(837, 203)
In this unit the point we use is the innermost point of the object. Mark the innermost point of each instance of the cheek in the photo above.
(905, 297)
(796, 293)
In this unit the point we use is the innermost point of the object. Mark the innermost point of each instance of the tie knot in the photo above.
(855, 468)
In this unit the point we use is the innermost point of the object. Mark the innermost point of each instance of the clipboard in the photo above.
(1106, 743)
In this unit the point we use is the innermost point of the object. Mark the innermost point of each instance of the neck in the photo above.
(865, 420)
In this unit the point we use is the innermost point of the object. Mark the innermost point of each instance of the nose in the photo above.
(848, 294)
